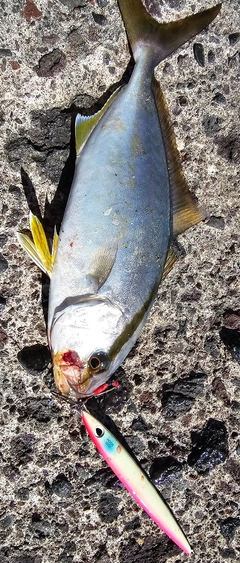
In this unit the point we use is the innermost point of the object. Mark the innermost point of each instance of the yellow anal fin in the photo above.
(84, 125)
(185, 210)
(36, 245)
(171, 259)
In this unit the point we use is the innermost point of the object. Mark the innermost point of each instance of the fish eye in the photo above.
(98, 362)
(99, 432)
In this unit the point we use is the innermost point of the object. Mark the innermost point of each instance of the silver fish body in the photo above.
(115, 201)
(127, 200)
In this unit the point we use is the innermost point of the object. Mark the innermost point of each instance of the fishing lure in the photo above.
(134, 480)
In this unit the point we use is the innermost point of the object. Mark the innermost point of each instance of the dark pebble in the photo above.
(42, 410)
(74, 3)
(211, 57)
(66, 555)
(151, 551)
(216, 222)
(219, 98)
(133, 524)
(212, 124)
(99, 18)
(139, 425)
(219, 391)
(211, 346)
(34, 358)
(41, 528)
(232, 320)
(7, 521)
(229, 147)
(3, 264)
(210, 446)
(21, 448)
(198, 52)
(231, 339)
(2, 303)
(228, 527)
(228, 553)
(3, 239)
(15, 190)
(177, 398)
(102, 3)
(115, 400)
(23, 493)
(165, 469)
(52, 63)
(233, 38)
(61, 486)
(108, 508)
(5, 53)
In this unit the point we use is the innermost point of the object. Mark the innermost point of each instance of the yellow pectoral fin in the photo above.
(36, 245)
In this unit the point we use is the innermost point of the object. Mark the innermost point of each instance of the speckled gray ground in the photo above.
(59, 501)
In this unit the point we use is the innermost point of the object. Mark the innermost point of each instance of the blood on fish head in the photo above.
(70, 372)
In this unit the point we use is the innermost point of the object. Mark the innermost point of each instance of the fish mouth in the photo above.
(70, 373)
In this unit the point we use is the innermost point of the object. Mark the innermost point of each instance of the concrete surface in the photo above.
(59, 501)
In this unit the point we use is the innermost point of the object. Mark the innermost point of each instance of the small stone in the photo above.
(52, 63)
(199, 54)
(99, 18)
(41, 528)
(102, 3)
(177, 398)
(74, 3)
(5, 53)
(212, 124)
(231, 339)
(3, 264)
(229, 147)
(228, 527)
(2, 303)
(23, 493)
(7, 521)
(22, 448)
(61, 486)
(3, 240)
(216, 222)
(219, 98)
(210, 446)
(232, 320)
(108, 508)
(31, 12)
(233, 38)
(34, 358)
(219, 390)
(165, 469)
(211, 57)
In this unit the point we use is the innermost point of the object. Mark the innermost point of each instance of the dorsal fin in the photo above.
(185, 210)
(84, 125)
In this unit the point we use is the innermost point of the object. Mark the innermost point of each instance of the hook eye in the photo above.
(99, 432)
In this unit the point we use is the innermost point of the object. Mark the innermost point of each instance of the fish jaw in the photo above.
(70, 373)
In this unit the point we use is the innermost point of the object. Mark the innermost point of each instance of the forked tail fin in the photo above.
(162, 38)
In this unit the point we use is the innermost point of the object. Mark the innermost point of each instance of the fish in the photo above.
(135, 480)
(127, 203)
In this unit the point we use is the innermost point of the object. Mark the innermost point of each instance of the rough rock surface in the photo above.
(59, 500)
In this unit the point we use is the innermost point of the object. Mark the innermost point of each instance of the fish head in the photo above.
(81, 340)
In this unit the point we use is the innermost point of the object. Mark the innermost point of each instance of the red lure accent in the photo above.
(105, 386)
(101, 389)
